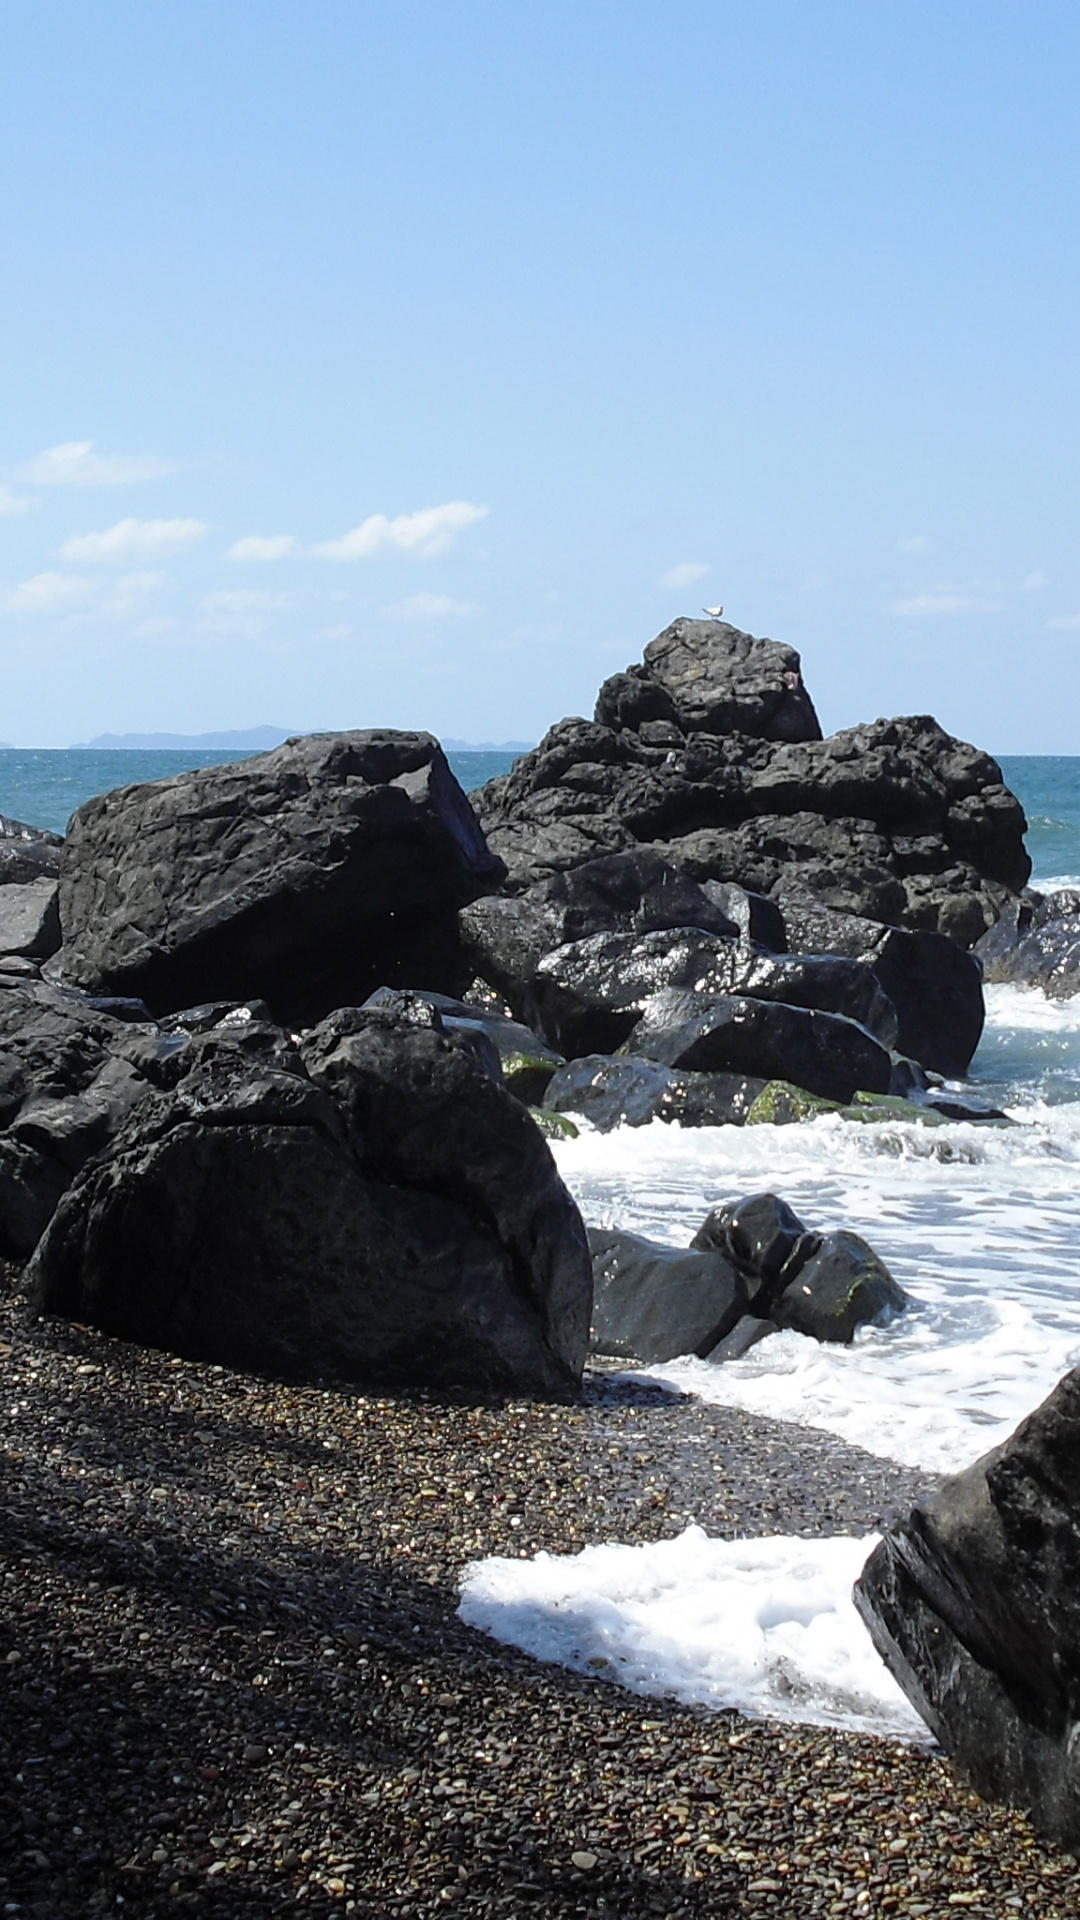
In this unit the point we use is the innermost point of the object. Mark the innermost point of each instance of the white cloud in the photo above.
(1034, 581)
(945, 601)
(684, 574)
(426, 533)
(75, 464)
(132, 591)
(134, 539)
(11, 503)
(915, 543)
(258, 546)
(50, 593)
(1065, 622)
(430, 606)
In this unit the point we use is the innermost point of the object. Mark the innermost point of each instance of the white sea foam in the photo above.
(767, 1626)
(980, 1225)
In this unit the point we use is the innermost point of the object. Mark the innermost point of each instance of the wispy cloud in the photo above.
(238, 610)
(132, 591)
(51, 593)
(684, 574)
(11, 503)
(430, 606)
(426, 533)
(943, 601)
(1035, 581)
(134, 539)
(914, 543)
(259, 546)
(1065, 622)
(75, 464)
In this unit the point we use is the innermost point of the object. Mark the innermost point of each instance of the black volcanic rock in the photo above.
(308, 877)
(1036, 943)
(653, 1303)
(625, 1092)
(707, 677)
(821, 1052)
(377, 1210)
(706, 754)
(934, 985)
(973, 1602)
(587, 997)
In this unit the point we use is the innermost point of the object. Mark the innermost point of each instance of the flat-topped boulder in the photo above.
(307, 876)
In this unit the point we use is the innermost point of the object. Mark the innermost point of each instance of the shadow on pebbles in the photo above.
(233, 1682)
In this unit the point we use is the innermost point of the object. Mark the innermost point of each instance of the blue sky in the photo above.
(413, 364)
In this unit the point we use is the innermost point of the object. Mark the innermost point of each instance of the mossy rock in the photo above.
(780, 1104)
(528, 1075)
(555, 1126)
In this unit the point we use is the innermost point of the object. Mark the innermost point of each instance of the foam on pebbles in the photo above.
(232, 1681)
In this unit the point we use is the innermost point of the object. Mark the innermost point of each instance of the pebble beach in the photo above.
(234, 1682)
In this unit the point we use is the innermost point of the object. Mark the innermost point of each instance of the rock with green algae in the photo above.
(779, 1104)
(555, 1126)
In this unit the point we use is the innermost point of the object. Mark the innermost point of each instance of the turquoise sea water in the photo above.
(44, 785)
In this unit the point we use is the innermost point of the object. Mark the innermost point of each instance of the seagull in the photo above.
(714, 613)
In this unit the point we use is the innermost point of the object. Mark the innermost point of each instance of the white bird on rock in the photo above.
(714, 613)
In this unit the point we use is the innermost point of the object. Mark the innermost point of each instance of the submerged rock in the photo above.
(841, 1286)
(374, 1208)
(307, 876)
(973, 1603)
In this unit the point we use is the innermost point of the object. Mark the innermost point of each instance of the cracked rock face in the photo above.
(307, 877)
(710, 753)
(974, 1604)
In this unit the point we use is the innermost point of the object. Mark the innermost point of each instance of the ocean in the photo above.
(980, 1224)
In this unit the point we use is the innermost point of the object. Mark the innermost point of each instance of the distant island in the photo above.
(252, 740)
(243, 739)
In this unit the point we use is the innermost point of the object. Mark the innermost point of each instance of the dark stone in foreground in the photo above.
(1036, 943)
(379, 1211)
(842, 1286)
(308, 876)
(974, 1604)
(653, 1303)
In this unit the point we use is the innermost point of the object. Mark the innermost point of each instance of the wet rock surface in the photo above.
(231, 1672)
(1036, 943)
(308, 876)
(622, 1091)
(653, 1303)
(974, 1603)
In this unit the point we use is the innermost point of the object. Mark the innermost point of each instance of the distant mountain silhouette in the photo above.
(242, 739)
(487, 746)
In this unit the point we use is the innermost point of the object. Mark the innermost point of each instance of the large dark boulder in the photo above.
(654, 1303)
(822, 1052)
(708, 677)
(1036, 943)
(586, 997)
(624, 1092)
(375, 1208)
(934, 985)
(973, 1602)
(710, 753)
(69, 1076)
(308, 876)
(637, 892)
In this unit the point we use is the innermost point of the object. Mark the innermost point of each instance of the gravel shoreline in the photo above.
(233, 1682)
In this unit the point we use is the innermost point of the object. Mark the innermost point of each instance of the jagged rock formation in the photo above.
(710, 754)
